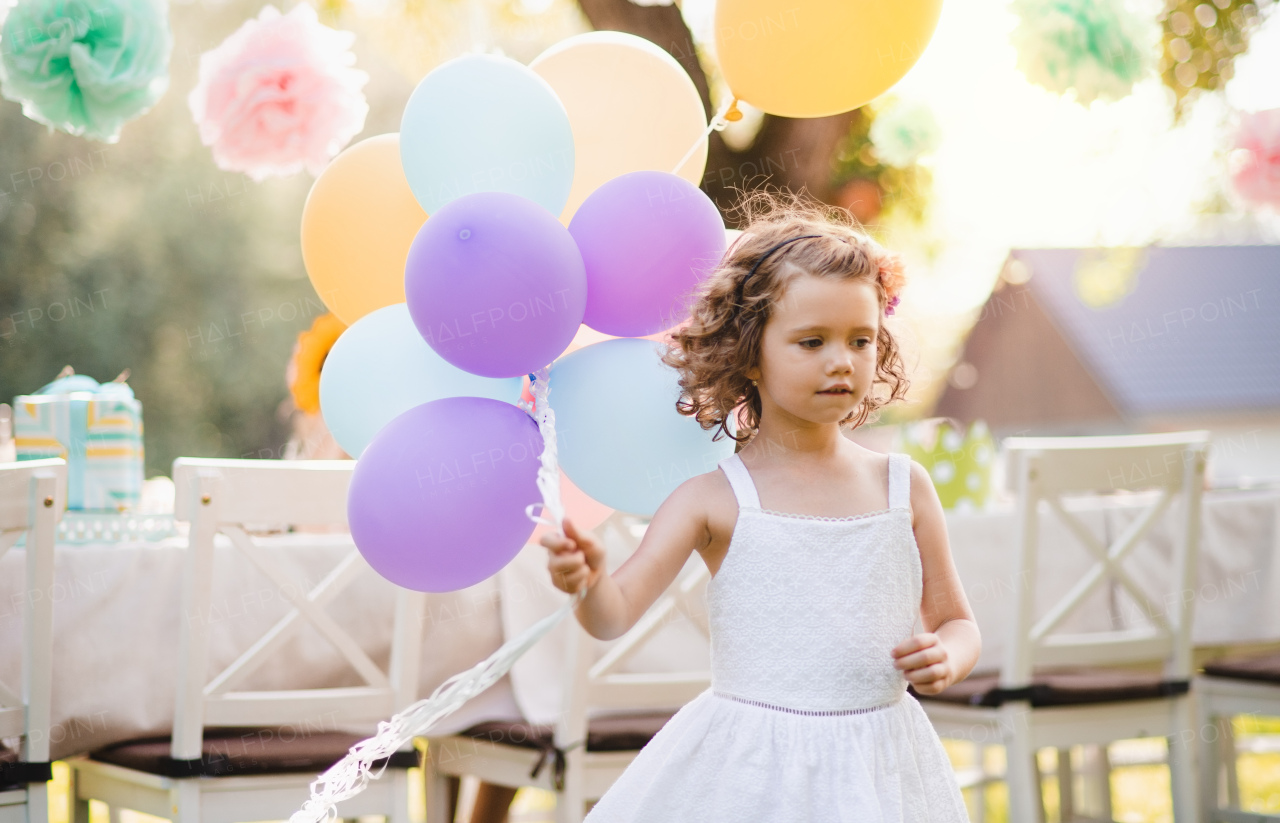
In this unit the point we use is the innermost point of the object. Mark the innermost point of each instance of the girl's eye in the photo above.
(863, 342)
(813, 340)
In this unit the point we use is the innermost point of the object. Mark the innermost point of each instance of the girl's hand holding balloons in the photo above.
(577, 558)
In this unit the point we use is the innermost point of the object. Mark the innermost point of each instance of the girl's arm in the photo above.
(949, 648)
(615, 602)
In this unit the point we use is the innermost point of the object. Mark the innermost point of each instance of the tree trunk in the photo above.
(790, 153)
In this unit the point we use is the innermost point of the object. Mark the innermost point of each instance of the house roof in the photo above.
(1097, 338)
(1168, 330)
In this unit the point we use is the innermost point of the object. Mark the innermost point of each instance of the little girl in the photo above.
(822, 554)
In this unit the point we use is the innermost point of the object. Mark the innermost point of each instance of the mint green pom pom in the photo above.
(85, 68)
(1098, 48)
(904, 132)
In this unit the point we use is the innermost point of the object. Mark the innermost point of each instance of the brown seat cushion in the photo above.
(242, 751)
(16, 773)
(1265, 669)
(618, 733)
(1064, 687)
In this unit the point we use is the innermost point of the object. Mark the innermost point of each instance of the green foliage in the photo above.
(143, 255)
(1200, 42)
(904, 192)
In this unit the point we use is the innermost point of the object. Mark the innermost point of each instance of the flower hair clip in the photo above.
(892, 278)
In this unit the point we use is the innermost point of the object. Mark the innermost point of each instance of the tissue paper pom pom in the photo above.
(1097, 47)
(85, 67)
(904, 132)
(279, 95)
(309, 353)
(1256, 158)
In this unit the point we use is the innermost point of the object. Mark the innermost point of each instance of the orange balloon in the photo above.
(357, 225)
(585, 337)
(632, 107)
(585, 513)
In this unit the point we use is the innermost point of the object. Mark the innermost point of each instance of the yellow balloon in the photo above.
(357, 225)
(632, 107)
(812, 58)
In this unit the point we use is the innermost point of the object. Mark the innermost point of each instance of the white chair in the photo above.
(33, 495)
(1231, 687)
(1058, 688)
(202, 775)
(576, 759)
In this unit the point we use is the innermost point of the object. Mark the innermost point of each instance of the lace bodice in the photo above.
(805, 611)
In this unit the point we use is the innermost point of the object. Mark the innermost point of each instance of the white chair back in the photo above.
(1042, 471)
(33, 496)
(224, 497)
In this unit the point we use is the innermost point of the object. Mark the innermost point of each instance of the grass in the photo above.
(1140, 793)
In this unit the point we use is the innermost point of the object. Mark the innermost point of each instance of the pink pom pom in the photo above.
(279, 95)
(1256, 158)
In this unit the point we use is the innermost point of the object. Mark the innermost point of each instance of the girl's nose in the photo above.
(841, 363)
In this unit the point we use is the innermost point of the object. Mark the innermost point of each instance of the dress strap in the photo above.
(744, 488)
(899, 481)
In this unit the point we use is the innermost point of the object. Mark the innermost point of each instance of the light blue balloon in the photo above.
(619, 435)
(486, 123)
(381, 367)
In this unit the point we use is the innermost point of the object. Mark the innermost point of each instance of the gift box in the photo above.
(96, 428)
(959, 461)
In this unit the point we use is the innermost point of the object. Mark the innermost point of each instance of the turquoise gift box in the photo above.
(96, 428)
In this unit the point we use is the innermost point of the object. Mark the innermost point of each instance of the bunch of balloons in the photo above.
(518, 210)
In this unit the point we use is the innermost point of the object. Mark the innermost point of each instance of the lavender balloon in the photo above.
(495, 284)
(647, 239)
(437, 499)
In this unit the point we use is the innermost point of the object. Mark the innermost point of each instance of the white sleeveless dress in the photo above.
(806, 719)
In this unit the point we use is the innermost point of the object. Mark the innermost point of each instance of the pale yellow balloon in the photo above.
(357, 225)
(813, 58)
(632, 107)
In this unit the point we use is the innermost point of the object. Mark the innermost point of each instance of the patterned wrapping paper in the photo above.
(960, 461)
(99, 437)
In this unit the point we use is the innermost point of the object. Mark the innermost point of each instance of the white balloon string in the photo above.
(350, 775)
(718, 123)
(549, 467)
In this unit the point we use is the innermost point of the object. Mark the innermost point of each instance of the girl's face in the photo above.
(818, 353)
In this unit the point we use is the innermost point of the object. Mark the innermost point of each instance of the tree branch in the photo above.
(789, 153)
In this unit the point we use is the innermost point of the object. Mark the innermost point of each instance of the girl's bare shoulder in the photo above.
(710, 487)
(710, 496)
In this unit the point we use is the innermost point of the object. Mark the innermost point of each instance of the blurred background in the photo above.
(144, 255)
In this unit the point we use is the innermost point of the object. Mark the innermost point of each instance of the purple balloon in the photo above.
(437, 499)
(647, 239)
(495, 284)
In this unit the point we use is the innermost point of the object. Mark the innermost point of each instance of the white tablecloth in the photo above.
(117, 614)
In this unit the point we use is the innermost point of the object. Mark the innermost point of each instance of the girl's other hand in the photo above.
(924, 661)
(577, 558)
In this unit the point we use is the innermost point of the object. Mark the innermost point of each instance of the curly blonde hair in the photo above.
(721, 343)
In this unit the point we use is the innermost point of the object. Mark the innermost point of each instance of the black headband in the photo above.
(743, 282)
